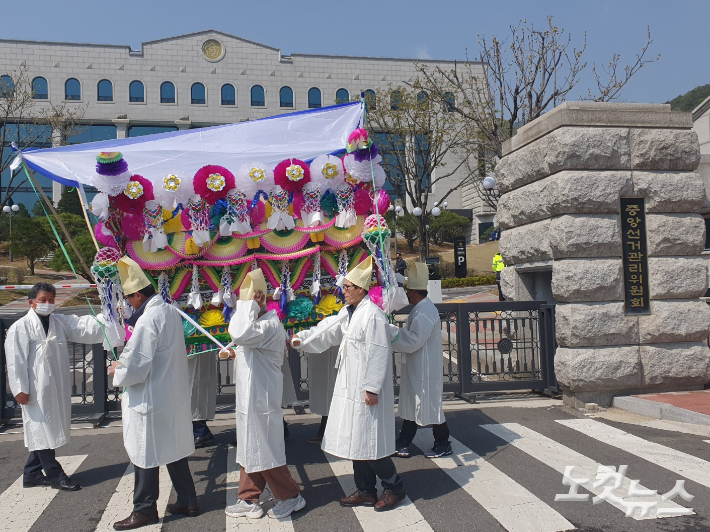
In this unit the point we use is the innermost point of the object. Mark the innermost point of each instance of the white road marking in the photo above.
(558, 457)
(121, 504)
(405, 517)
(21, 507)
(264, 524)
(686, 465)
(513, 506)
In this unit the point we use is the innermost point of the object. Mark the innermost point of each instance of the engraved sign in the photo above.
(634, 254)
(213, 50)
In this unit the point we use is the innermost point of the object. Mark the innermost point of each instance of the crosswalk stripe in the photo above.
(121, 504)
(558, 457)
(241, 524)
(404, 517)
(21, 507)
(513, 506)
(689, 466)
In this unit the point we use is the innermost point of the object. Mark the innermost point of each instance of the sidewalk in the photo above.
(685, 407)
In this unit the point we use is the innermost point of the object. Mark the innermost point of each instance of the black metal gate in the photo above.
(487, 347)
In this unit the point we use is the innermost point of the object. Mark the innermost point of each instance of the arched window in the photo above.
(258, 97)
(422, 98)
(314, 98)
(40, 90)
(395, 100)
(342, 96)
(136, 91)
(371, 99)
(7, 87)
(286, 97)
(198, 94)
(72, 89)
(450, 101)
(229, 95)
(167, 92)
(105, 91)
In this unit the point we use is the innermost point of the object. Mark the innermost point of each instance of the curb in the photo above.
(658, 410)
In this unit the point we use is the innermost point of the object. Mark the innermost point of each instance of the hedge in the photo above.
(479, 280)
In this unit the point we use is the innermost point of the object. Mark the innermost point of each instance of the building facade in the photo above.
(198, 80)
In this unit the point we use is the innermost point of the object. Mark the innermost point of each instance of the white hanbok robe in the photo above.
(157, 421)
(321, 380)
(38, 365)
(202, 369)
(422, 375)
(260, 344)
(355, 430)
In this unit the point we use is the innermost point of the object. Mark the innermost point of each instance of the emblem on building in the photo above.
(213, 50)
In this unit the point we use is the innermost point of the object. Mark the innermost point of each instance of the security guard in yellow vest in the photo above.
(498, 266)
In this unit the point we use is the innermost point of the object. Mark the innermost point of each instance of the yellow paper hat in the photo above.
(419, 277)
(253, 282)
(132, 276)
(361, 275)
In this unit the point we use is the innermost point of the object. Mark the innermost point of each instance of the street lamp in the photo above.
(489, 187)
(435, 212)
(11, 211)
(397, 210)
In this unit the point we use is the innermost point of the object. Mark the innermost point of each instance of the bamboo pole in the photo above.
(56, 216)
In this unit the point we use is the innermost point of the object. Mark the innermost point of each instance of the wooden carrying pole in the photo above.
(59, 220)
(85, 211)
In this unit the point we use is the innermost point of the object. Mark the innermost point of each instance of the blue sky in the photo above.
(441, 29)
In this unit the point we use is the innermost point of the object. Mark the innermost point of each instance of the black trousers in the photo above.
(145, 490)
(43, 459)
(367, 471)
(409, 430)
(200, 428)
(500, 292)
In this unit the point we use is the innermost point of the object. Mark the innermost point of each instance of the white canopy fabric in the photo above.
(303, 135)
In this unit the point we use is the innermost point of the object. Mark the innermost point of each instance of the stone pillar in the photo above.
(562, 177)
(57, 188)
(121, 127)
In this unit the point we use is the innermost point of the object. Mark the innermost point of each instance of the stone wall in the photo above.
(561, 179)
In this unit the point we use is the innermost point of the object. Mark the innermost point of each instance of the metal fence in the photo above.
(486, 346)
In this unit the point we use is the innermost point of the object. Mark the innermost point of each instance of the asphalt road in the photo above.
(504, 475)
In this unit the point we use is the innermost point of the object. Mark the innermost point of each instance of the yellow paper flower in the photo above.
(171, 183)
(212, 318)
(257, 174)
(216, 182)
(330, 170)
(134, 190)
(328, 305)
(350, 179)
(294, 172)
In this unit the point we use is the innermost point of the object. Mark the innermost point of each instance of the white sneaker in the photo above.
(244, 509)
(287, 507)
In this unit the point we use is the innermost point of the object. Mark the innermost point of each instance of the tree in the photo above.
(448, 226)
(407, 226)
(424, 145)
(523, 77)
(70, 203)
(79, 233)
(30, 240)
(27, 125)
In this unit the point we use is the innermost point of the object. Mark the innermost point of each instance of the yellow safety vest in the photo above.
(498, 263)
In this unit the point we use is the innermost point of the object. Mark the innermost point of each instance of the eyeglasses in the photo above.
(347, 287)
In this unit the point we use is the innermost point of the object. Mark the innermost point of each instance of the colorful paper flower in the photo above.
(111, 173)
(171, 183)
(253, 177)
(358, 140)
(172, 190)
(292, 174)
(300, 308)
(213, 182)
(328, 305)
(137, 192)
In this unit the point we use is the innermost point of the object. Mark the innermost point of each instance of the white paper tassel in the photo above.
(194, 300)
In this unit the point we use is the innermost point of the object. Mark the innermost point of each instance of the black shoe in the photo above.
(67, 485)
(440, 450)
(203, 441)
(40, 481)
(402, 451)
(287, 432)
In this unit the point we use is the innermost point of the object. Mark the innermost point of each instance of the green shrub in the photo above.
(480, 280)
(12, 275)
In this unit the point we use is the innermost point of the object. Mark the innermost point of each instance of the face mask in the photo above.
(44, 309)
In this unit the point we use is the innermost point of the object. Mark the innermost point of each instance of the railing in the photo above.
(486, 347)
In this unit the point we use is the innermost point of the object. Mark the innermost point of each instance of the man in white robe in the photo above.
(259, 337)
(157, 423)
(422, 375)
(40, 379)
(361, 416)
